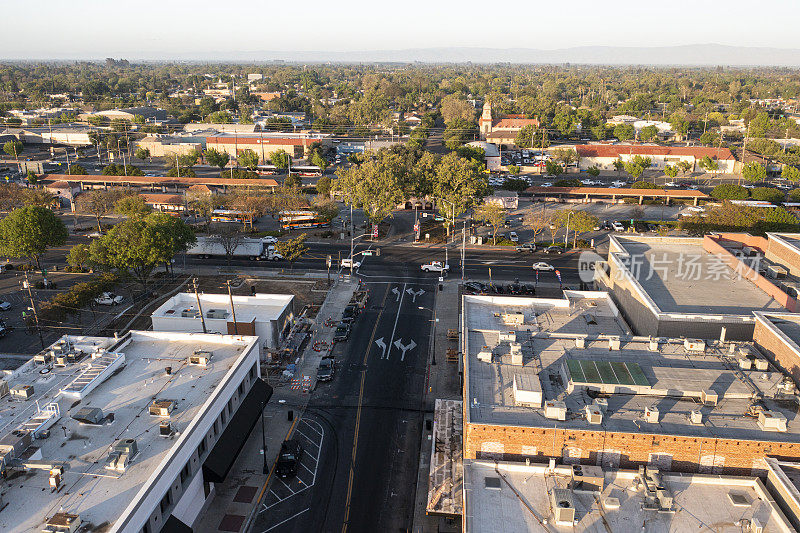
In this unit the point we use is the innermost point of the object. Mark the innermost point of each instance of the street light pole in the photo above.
(433, 352)
(566, 236)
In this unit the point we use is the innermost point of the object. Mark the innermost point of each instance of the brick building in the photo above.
(566, 380)
(264, 144)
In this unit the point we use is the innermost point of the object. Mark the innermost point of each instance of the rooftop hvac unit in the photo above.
(485, 355)
(555, 410)
(517, 319)
(22, 392)
(44, 357)
(162, 407)
(756, 526)
(653, 345)
(527, 390)
(563, 504)
(580, 343)
(771, 421)
(62, 523)
(165, 429)
(709, 397)
(508, 336)
(516, 354)
(694, 345)
(651, 414)
(217, 313)
(89, 415)
(665, 499)
(200, 358)
(190, 313)
(696, 416)
(593, 414)
(14, 443)
(613, 343)
(762, 364)
(68, 358)
(587, 478)
(121, 454)
(602, 403)
(776, 272)
(787, 385)
(745, 363)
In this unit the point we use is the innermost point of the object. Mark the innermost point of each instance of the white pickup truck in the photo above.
(435, 266)
(108, 298)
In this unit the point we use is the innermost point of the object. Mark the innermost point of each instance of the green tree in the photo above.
(324, 186)
(493, 214)
(767, 194)
(574, 221)
(13, 149)
(248, 158)
(643, 185)
(794, 195)
(513, 170)
(217, 158)
(317, 159)
(593, 171)
(708, 164)
(684, 166)
(132, 205)
(32, 178)
(377, 185)
(457, 184)
(280, 159)
(553, 169)
(566, 156)
(730, 191)
(623, 132)
(293, 180)
(326, 209)
(753, 172)
(671, 171)
(78, 257)
(790, 173)
(142, 153)
(220, 117)
(99, 202)
(637, 165)
(569, 182)
(619, 165)
(137, 245)
(455, 107)
(76, 170)
(648, 134)
(458, 132)
(29, 231)
(292, 249)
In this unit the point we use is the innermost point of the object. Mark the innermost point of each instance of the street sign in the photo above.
(374, 231)
(416, 227)
(366, 252)
(329, 261)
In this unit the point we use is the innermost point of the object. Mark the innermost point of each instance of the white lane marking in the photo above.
(404, 348)
(382, 346)
(399, 307)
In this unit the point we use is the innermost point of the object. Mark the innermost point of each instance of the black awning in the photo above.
(230, 443)
(175, 525)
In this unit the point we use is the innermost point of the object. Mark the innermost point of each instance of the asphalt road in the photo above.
(371, 415)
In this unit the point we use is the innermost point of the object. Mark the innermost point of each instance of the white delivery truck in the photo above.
(253, 249)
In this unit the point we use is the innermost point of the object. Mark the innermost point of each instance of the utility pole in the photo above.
(177, 165)
(233, 309)
(27, 285)
(463, 247)
(199, 307)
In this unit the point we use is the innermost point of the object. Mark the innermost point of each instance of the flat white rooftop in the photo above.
(100, 495)
(566, 362)
(514, 498)
(261, 307)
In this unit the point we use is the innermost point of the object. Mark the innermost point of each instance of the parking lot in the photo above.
(288, 498)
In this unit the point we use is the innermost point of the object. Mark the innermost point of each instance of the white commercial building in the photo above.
(127, 434)
(267, 316)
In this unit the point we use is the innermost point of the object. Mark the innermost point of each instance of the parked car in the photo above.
(269, 240)
(513, 237)
(546, 184)
(325, 369)
(108, 298)
(497, 289)
(435, 266)
(476, 287)
(617, 226)
(5, 306)
(342, 332)
(350, 313)
(541, 265)
(554, 250)
(289, 458)
(527, 247)
(346, 263)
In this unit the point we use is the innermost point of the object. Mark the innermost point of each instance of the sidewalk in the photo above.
(443, 381)
(236, 501)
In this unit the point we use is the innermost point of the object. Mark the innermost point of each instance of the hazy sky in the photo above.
(155, 29)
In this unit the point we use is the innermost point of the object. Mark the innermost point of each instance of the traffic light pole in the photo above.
(33, 308)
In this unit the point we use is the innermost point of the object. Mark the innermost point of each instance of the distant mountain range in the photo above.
(694, 55)
(684, 55)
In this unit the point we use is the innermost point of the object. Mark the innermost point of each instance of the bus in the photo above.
(227, 215)
(306, 171)
(302, 219)
(266, 170)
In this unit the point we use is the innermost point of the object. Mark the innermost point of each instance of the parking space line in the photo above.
(309, 470)
(285, 485)
(284, 521)
(310, 440)
(312, 429)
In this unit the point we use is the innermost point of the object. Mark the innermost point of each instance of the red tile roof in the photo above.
(146, 180)
(515, 122)
(162, 198)
(609, 191)
(617, 150)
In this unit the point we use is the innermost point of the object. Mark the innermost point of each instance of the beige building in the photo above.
(603, 156)
(264, 144)
(164, 146)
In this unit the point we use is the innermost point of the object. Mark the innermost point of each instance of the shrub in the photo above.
(767, 194)
(641, 184)
(568, 183)
(729, 191)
